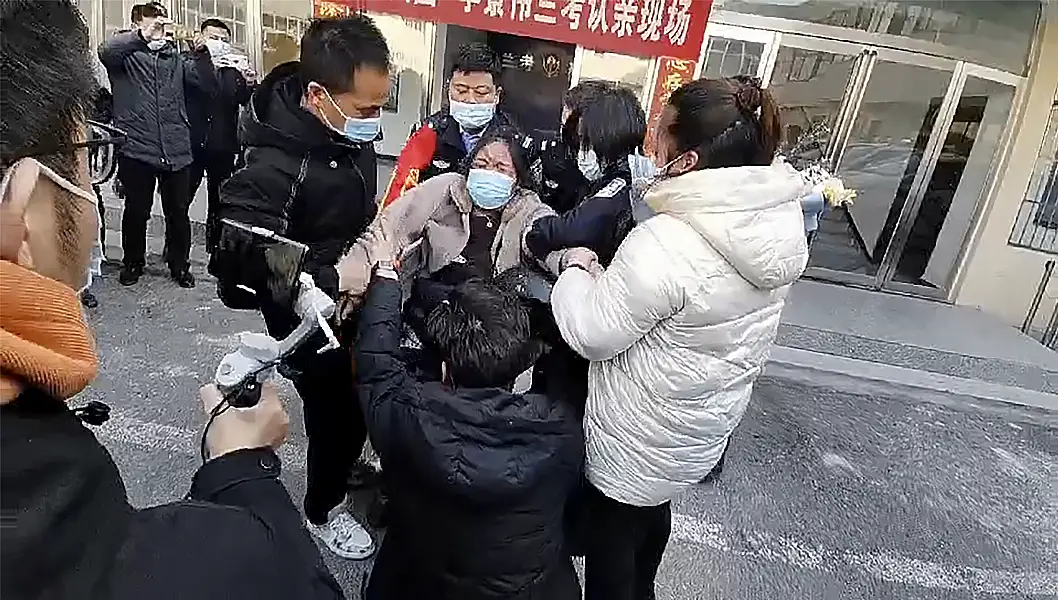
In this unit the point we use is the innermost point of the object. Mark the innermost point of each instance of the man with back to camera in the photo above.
(69, 531)
(213, 111)
(310, 176)
(478, 475)
(148, 76)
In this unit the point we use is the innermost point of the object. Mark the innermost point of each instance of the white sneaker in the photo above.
(344, 536)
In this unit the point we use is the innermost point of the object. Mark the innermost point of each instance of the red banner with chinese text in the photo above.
(635, 27)
(671, 73)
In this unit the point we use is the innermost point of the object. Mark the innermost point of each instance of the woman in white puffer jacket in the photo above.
(680, 325)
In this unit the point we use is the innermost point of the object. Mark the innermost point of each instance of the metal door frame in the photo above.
(850, 105)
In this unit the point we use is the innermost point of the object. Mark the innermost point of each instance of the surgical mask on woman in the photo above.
(588, 163)
(489, 189)
(472, 116)
(361, 130)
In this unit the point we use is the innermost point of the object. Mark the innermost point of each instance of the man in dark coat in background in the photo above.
(310, 176)
(213, 110)
(477, 475)
(148, 76)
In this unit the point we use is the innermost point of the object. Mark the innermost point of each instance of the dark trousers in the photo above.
(216, 168)
(624, 547)
(139, 180)
(334, 424)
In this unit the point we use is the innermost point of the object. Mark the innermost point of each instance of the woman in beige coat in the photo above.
(478, 220)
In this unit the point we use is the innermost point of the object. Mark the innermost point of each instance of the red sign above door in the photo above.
(673, 28)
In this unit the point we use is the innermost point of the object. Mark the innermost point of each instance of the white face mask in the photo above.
(217, 48)
(156, 45)
(94, 263)
(588, 163)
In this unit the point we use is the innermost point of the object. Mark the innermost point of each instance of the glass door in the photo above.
(812, 80)
(883, 154)
(931, 235)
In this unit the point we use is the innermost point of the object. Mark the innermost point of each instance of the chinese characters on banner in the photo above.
(327, 10)
(671, 73)
(635, 27)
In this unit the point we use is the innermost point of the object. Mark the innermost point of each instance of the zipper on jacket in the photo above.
(295, 187)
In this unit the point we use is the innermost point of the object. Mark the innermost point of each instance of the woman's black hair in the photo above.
(612, 123)
(730, 122)
(514, 141)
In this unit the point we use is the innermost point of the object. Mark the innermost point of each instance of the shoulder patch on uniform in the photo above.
(611, 188)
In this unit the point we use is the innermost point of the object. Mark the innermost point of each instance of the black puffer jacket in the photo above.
(477, 478)
(302, 180)
(70, 534)
(213, 107)
(149, 99)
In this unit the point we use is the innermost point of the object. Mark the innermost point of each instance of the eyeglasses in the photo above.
(102, 144)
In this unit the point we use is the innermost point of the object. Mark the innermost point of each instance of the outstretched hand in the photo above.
(380, 249)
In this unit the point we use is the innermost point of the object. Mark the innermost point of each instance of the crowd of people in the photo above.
(545, 341)
(177, 103)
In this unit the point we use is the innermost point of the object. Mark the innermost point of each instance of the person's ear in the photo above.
(499, 94)
(18, 186)
(686, 163)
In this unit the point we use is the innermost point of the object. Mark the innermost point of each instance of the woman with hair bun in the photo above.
(680, 323)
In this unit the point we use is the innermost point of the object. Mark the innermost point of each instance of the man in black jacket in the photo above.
(473, 97)
(477, 475)
(68, 529)
(310, 175)
(213, 111)
(148, 77)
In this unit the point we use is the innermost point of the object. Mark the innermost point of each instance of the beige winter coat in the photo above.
(437, 214)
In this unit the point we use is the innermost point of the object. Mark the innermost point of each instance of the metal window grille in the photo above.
(1036, 226)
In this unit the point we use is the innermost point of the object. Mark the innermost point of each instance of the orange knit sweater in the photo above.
(44, 340)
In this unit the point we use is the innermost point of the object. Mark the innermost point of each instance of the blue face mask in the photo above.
(472, 116)
(588, 163)
(489, 189)
(357, 130)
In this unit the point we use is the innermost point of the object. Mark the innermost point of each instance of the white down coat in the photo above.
(680, 325)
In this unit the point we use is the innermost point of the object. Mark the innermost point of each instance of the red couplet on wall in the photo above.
(671, 73)
(673, 28)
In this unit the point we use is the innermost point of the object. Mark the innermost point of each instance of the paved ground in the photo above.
(825, 494)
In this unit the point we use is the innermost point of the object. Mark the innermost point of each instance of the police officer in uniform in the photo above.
(563, 185)
(473, 98)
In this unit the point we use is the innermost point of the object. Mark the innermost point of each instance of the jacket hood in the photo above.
(276, 118)
(750, 215)
(496, 444)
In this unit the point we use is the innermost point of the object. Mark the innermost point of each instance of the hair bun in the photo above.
(748, 93)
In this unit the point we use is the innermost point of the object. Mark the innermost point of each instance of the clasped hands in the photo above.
(582, 258)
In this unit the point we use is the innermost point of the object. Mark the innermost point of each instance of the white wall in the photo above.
(1000, 278)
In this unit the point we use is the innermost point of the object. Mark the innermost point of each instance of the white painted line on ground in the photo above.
(892, 568)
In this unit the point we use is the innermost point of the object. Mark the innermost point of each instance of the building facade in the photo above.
(943, 115)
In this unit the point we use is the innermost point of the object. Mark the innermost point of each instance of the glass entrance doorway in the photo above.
(914, 134)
